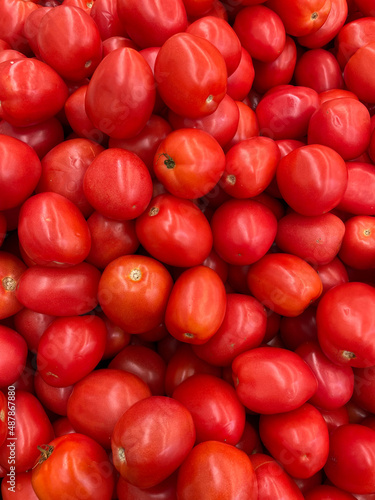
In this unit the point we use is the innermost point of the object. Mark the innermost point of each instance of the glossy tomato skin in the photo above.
(188, 246)
(20, 170)
(13, 21)
(240, 81)
(133, 292)
(117, 390)
(243, 231)
(359, 197)
(273, 482)
(163, 491)
(326, 78)
(213, 469)
(247, 125)
(23, 488)
(32, 427)
(271, 380)
(70, 348)
(147, 458)
(358, 245)
(217, 412)
(327, 492)
(54, 399)
(353, 36)
(335, 382)
(13, 355)
(243, 328)
(298, 439)
(11, 269)
(355, 74)
(332, 125)
(30, 92)
(332, 274)
(193, 90)
(189, 162)
(284, 283)
(111, 102)
(196, 306)
(363, 395)
(75, 463)
(352, 467)
(74, 289)
(312, 179)
(118, 184)
(345, 329)
(105, 15)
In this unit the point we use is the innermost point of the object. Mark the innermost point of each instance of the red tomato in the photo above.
(31, 427)
(191, 75)
(261, 32)
(312, 179)
(277, 72)
(117, 42)
(273, 482)
(285, 112)
(11, 269)
(196, 306)
(189, 163)
(62, 426)
(358, 245)
(20, 171)
(30, 92)
(106, 17)
(53, 398)
(351, 460)
(144, 362)
(332, 274)
(284, 283)
(345, 329)
(335, 418)
(117, 390)
(3, 417)
(243, 231)
(364, 382)
(316, 239)
(23, 489)
(70, 348)
(121, 94)
(247, 125)
(297, 330)
(327, 74)
(53, 231)
(301, 19)
(250, 167)
(335, 382)
(69, 41)
(240, 81)
(150, 24)
(55, 474)
(74, 289)
(297, 439)
(13, 355)
(335, 94)
(359, 197)
(165, 490)
(198, 8)
(353, 36)
(14, 15)
(217, 412)
(243, 328)
(116, 339)
(58, 176)
(356, 75)
(118, 184)
(271, 380)
(217, 470)
(3, 228)
(147, 458)
(327, 492)
(156, 230)
(133, 292)
(332, 124)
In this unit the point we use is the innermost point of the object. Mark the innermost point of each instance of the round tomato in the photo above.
(327, 75)
(351, 37)
(53, 398)
(11, 269)
(13, 355)
(240, 81)
(359, 196)
(358, 244)
(356, 75)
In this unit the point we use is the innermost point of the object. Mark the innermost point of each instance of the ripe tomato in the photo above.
(53, 398)
(327, 75)
(189, 162)
(359, 197)
(70, 348)
(13, 355)
(196, 306)
(133, 292)
(11, 269)
(55, 474)
(191, 75)
(272, 380)
(118, 184)
(247, 125)
(217, 470)
(345, 329)
(332, 274)
(356, 76)
(364, 381)
(156, 228)
(298, 439)
(358, 245)
(3, 417)
(327, 492)
(162, 491)
(147, 458)
(284, 283)
(312, 179)
(351, 37)
(106, 17)
(23, 489)
(14, 15)
(351, 461)
(121, 94)
(240, 81)
(52, 231)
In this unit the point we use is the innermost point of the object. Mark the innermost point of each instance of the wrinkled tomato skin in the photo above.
(196, 306)
(263, 375)
(345, 328)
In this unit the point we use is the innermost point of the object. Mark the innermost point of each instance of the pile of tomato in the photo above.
(187, 249)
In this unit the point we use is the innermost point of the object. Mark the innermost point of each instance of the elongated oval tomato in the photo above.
(13, 355)
(175, 231)
(191, 75)
(133, 292)
(120, 106)
(284, 283)
(272, 380)
(196, 306)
